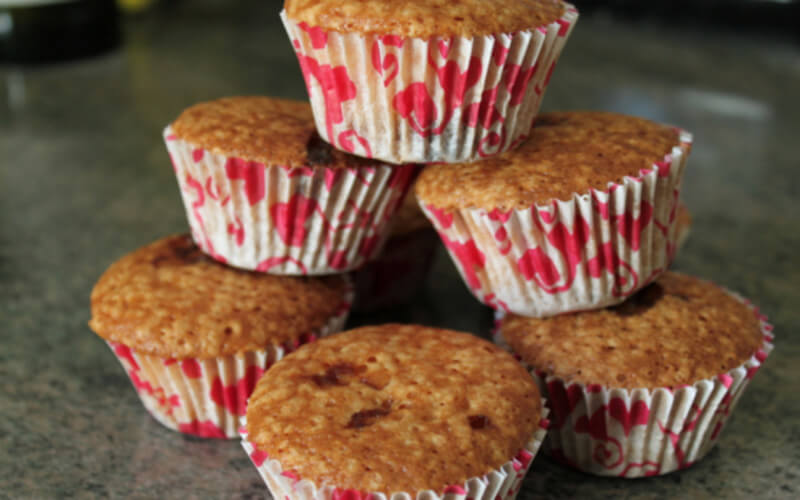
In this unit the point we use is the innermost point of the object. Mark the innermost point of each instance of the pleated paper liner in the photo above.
(414, 100)
(590, 251)
(642, 432)
(208, 397)
(503, 482)
(286, 220)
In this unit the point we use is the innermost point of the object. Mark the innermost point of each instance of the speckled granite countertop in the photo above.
(84, 178)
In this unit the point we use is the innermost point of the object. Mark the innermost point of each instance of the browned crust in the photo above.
(425, 18)
(676, 331)
(567, 153)
(394, 408)
(263, 129)
(168, 299)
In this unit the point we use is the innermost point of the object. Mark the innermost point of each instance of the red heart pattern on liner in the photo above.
(641, 432)
(475, 98)
(590, 251)
(286, 220)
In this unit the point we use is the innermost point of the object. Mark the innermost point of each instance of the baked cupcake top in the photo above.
(567, 153)
(263, 129)
(394, 408)
(676, 331)
(425, 18)
(170, 300)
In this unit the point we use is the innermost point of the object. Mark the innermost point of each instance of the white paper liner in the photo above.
(208, 397)
(590, 251)
(503, 482)
(286, 220)
(641, 432)
(414, 100)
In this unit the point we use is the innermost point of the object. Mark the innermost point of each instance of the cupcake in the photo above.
(683, 221)
(580, 216)
(194, 336)
(395, 410)
(427, 81)
(397, 274)
(643, 388)
(263, 192)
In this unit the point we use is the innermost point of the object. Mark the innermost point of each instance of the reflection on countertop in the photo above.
(85, 178)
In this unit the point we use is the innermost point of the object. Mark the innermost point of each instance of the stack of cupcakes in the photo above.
(564, 223)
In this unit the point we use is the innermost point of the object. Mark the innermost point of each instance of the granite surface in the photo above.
(84, 178)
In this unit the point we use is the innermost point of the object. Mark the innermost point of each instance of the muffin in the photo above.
(194, 336)
(645, 387)
(395, 409)
(580, 216)
(263, 192)
(397, 274)
(427, 81)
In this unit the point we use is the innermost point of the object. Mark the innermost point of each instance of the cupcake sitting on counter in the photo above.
(580, 216)
(264, 192)
(395, 411)
(645, 387)
(427, 80)
(194, 336)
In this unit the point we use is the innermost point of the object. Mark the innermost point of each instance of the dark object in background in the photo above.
(45, 31)
(747, 16)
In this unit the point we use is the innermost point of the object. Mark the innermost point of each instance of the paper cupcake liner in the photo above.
(590, 251)
(207, 397)
(642, 432)
(413, 100)
(503, 482)
(286, 220)
(396, 275)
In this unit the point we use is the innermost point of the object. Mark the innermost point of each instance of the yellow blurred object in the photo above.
(134, 5)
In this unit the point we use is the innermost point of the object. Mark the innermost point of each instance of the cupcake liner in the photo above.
(642, 432)
(503, 482)
(286, 220)
(590, 251)
(207, 397)
(396, 275)
(413, 100)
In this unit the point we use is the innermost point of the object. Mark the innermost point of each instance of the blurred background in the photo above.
(51, 30)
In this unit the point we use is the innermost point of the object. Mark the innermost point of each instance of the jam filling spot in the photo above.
(364, 418)
(478, 421)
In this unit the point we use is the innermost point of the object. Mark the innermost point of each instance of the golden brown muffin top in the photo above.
(409, 217)
(170, 300)
(676, 331)
(263, 129)
(394, 408)
(567, 153)
(425, 18)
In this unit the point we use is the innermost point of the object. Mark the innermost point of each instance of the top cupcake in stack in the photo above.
(427, 81)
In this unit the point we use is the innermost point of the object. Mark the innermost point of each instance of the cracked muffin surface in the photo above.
(676, 331)
(169, 299)
(394, 408)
